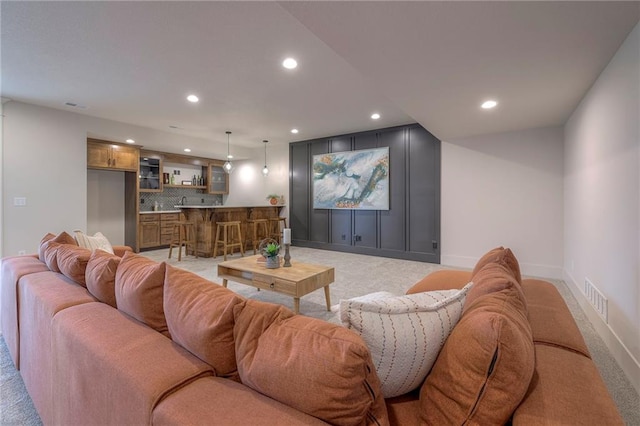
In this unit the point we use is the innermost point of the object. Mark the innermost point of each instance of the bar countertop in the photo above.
(205, 206)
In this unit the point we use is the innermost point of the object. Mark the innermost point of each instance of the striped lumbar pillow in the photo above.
(403, 333)
(97, 241)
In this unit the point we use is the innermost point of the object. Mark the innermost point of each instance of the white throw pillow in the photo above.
(97, 241)
(404, 333)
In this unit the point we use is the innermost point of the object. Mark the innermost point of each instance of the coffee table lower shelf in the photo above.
(295, 281)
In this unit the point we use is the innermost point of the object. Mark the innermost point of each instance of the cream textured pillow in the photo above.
(404, 333)
(98, 241)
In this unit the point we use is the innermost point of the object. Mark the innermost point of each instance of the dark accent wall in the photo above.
(410, 229)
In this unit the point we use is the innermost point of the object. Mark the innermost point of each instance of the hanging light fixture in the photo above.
(228, 166)
(265, 170)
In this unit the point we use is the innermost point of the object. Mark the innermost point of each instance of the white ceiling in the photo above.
(426, 62)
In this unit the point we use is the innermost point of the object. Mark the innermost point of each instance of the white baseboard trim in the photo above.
(529, 269)
(458, 261)
(629, 364)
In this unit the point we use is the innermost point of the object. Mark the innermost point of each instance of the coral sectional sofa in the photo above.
(106, 339)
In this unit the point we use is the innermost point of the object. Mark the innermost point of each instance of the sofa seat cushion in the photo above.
(484, 368)
(72, 262)
(113, 369)
(215, 400)
(550, 318)
(316, 367)
(200, 318)
(139, 289)
(566, 389)
(42, 296)
(404, 410)
(100, 276)
(445, 279)
(11, 270)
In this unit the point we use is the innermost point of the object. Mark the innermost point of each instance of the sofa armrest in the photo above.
(445, 279)
(121, 250)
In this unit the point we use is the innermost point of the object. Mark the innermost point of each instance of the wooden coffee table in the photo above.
(295, 281)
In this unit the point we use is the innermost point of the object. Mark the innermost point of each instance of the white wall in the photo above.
(1, 174)
(105, 204)
(44, 160)
(504, 190)
(249, 187)
(602, 198)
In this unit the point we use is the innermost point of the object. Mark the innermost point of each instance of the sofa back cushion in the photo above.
(502, 256)
(72, 261)
(49, 236)
(49, 249)
(93, 242)
(200, 318)
(485, 367)
(317, 367)
(491, 278)
(139, 290)
(100, 276)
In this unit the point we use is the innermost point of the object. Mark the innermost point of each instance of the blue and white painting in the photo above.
(352, 180)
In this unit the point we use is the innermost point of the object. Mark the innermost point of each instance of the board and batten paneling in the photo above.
(410, 229)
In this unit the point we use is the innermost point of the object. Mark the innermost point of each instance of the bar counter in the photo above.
(205, 218)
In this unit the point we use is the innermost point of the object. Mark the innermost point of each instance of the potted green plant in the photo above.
(270, 252)
(273, 199)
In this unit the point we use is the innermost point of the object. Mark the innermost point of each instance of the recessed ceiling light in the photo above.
(192, 98)
(375, 116)
(187, 150)
(294, 131)
(173, 127)
(130, 141)
(229, 157)
(489, 104)
(289, 63)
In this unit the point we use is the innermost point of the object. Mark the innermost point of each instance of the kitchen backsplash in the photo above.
(172, 196)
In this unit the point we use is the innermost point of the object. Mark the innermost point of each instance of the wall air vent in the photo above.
(597, 299)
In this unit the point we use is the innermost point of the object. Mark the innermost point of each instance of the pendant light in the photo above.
(265, 170)
(228, 166)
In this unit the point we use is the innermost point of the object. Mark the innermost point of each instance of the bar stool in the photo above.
(229, 240)
(183, 234)
(259, 231)
(276, 227)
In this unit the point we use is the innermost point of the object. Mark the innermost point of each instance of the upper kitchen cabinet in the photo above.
(218, 178)
(150, 176)
(112, 156)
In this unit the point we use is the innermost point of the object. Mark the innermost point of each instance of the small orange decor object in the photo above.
(273, 201)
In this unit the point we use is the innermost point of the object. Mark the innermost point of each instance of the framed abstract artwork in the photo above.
(351, 180)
